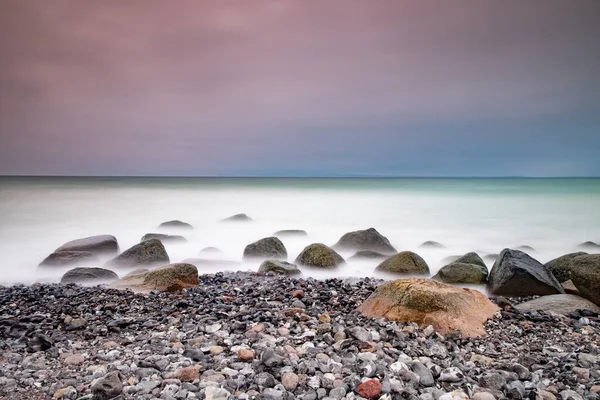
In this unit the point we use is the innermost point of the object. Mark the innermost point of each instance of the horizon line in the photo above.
(303, 176)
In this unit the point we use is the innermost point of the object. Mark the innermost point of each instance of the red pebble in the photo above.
(370, 389)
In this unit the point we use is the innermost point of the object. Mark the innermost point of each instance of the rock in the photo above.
(175, 224)
(451, 374)
(483, 396)
(428, 302)
(100, 245)
(430, 244)
(188, 374)
(164, 238)
(238, 218)
(269, 247)
(108, 387)
(216, 393)
(70, 258)
(570, 287)
(585, 274)
(589, 246)
(148, 253)
(210, 250)
(425, 375)
(458, 272)
(516, 274)
(290, 233)
(89, 276)
(245, 355)
(560, 266)
(278, 267)
(370, 389)
(171, 278)
(368, 255)
(492, 381)
(405, 263)
(68, 392)
(319, 255)
(559, 303)
(454, 395)
(290, 381)
(368, 239)
(515, 390)
(569, 395)
(75, 359)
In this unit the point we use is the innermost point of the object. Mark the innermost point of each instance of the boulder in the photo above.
(319, 255)
(269, 247)
(570, 288)
(560, 266)
(164, 238)
(516, 274)
(278, 267)
(368, 255)
(590, 246)
(471, 258)
(368, 239)
(238, 218)
(107, 387)
(427, 302)
(69, 259)
(210, 250)
(148, 253)
(585, 274)
(171, 278)
(558, 303)
(430, 244)
(458, 272)
(290, 233)
(99, 245)
(406, 263)
(89, 275)
(175, 224)
(449, 259)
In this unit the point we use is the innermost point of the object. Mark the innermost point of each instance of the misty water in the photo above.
(484, 215)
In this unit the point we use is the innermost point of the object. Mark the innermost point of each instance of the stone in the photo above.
(370, 389)
(107, 387)
(455, 395)
(70, 258)
(368, 239)
(569, 395)
(585, 274)
(245, 355)
(290, 381)
(516, 274)
(238, 218)
(100, 245)
(171, 278)
(427, 302)
(89, 275)
(148, 253)
(359, 333)
(290, 233)
(492, 381)
(188, 374)
(318, 255)
(458, 272)
(175, 224)
(560, 266)
(431, 244)
(558, 303)
(216, 393)
(404, 263)
(451, 374)
(270, 247)
(65, 393)
(589, 246)
(75, 359)
(164, 238)
(570, 288)
(278, 268)
(483, 396)
(515, 390)
(425, 375)
(368, 255)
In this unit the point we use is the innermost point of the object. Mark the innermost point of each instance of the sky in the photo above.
(300, 88)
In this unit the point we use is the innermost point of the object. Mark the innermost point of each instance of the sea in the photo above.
(38, 214)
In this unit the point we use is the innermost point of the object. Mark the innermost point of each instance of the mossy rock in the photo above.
(164, 238)
(405, 263)
(278, 267)
(270, 247)
(560, 266)
(458, 272)
(585, 274)
(89, 276)
(368, 255)
(319, 255)
(170, 278)
(147, 253)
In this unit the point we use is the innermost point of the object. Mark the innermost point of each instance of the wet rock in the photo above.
(278, 267)
(270, 247)
(368, 255)
(290, 233)
(100, 245)
(404, 263)
(458, 272)
(238, 218)
(89, 276)
(148, 253)
(430, 244)
(560, 266)
(171, 278)
(318, 255)
(175, 224)
(585, 274)
(368, 239)
(164, 238)
(559, 303)
(69, 258)
(517, 274)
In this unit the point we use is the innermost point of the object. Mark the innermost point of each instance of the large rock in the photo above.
(427, 302)
(469, 268)
(269, 247)
(100, 245)
(70, 259)
(368, 255)
(516, 274)
(585, 274)
(368, 239)
(175, 224)
(108, 387)
(148, 253)
(560, 266)
(278, 267)
(238, 218)
(431, 244)
(559, 303)
(290, 233)
(89, 275)
(164, 238)
(405, 263)
(319, 255)
(171, 278)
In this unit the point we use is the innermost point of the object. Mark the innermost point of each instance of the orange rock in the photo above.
(245, 355)
(188, 374)
(298, 294)
(370, 389)
(424, 301)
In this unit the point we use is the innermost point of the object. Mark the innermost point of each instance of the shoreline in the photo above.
(306, 340)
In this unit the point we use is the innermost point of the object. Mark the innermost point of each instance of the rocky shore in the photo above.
(244, 336)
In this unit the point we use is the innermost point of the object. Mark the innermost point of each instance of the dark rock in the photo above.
(290, 233)
(270, 247)
(517, 274)
(108, 387)
(406, 263)
(558, 303)
(368, 239)
(430, 244)
(368, 255)
(425, 375)
(99, 245)
(148, 253)
(585, 274)
(591, 246)
(238, 218)
(319, 255)
(469, 268)
(164, 238)
(70, 258)
(278, 267)
(175, 224)
(89, 276)
(171, 278)
(560, 266)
